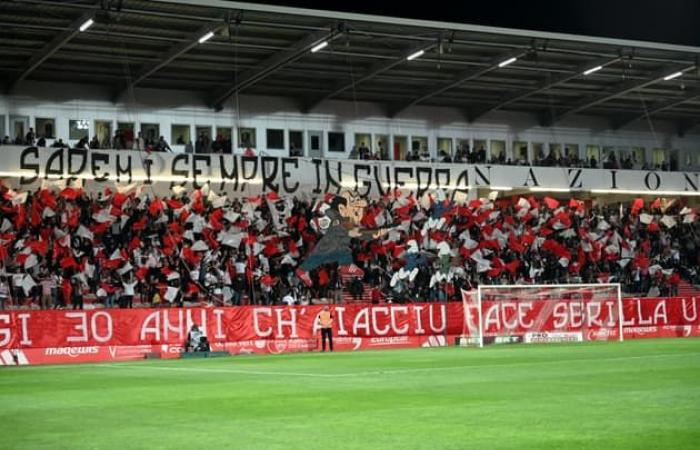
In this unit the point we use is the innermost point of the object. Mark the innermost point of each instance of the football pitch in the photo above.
(636, 394)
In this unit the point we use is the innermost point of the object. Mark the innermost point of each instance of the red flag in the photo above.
(267, 280)
(70, 193)
(551, 203)
(304, 276)
(155, 207)
(637, 205)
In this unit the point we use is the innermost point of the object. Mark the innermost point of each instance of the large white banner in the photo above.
(28, 168)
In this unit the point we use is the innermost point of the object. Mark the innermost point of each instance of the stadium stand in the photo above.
(62, 245)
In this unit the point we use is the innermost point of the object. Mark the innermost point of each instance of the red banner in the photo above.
(113, 334)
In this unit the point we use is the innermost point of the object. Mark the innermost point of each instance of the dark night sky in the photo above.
(670, 21)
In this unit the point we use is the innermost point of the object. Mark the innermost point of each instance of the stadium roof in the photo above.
(269, 50)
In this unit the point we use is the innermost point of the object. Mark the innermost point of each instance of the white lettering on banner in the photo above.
(151, 326)
(443, 317)
(202, 323)
(362, 322)
(394, 311)
(523, 309)
(23, 319)
(419, 321)
(291, 323)
(561, 315)
(660, 315)
(219, 334)
(505, 306)
(256, 323)
(688, 318)
(178, 328)
(339, 311)
(5, 333)
(235, 174)
(107, 326)
(81, 326)
(73, 352)
(375, 320)
(492, 317)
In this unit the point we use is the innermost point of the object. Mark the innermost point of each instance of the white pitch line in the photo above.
(385, 372)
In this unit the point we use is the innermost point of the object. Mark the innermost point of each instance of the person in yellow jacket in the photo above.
(325, 321)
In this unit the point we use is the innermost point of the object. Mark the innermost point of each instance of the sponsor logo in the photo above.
(553, 337)
(73, 352)
(394, 340)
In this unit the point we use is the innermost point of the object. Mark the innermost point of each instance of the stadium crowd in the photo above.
(61, 244)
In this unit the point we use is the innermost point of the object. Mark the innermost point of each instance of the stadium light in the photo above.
(507, 61)
(592, 70)
(320, 46)
(87, 24)
(415, 55)
(206, 37)
(672, 76)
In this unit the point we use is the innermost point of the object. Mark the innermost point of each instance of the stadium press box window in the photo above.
(44, 127)
(520, 151)
(444, 145)
(336, 142)
(150, 131)
(275, 139)
(78, 129)
(246, 138)
(224, 132)
(180, 134)
(419, 144)
(103, 131)
(498, 149)
(296, 143)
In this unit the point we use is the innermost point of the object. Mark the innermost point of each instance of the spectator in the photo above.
(162, 145)
(29, 137)
(94, 143)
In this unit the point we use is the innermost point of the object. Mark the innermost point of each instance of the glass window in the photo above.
(336, 142)
(45, 128)
(180, 134)
(571, 151)
(593, 151)
(3, 134)
(538, 150)
(419, 144)
(555, 150)
(78, 129)
(275, 139)
(381, 146)
(520, 151)
(444, 145)
(150, 132)
(498, 150)
(296, 143)
(658, 157)
(315, 141)
(103, 132)
(246, 138)
(224, 132)
(363, 140)
(638, 157)
(203, 130)
(479, 144)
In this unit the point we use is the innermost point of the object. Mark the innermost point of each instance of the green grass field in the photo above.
(637, 394)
